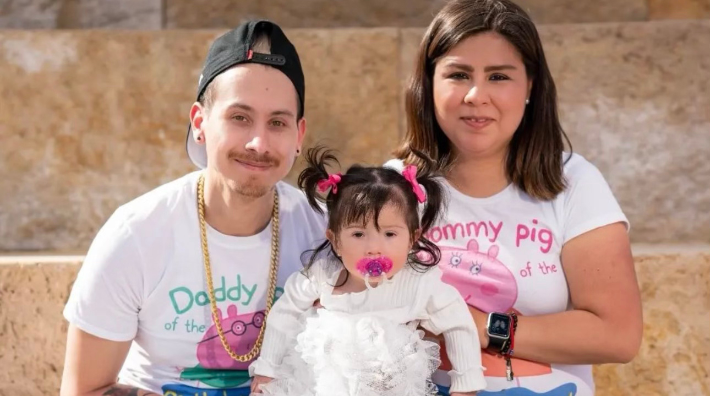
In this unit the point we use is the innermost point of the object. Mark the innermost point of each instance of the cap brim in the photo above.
(196, 152)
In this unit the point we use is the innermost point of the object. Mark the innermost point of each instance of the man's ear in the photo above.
(301, 132)
(197, 116)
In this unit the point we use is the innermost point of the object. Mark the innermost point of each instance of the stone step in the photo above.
(675, 284)
(210, 14)
(91, 119)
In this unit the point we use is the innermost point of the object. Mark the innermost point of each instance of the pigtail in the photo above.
(425, 252)
(317, 159)
(429, 178)
(318, 185)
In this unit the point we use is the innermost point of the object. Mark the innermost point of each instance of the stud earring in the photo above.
(527, 101)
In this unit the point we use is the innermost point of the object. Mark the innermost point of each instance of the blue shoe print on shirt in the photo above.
(564, 390)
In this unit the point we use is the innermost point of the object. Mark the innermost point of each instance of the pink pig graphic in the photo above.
(241, 331)
(483, 281)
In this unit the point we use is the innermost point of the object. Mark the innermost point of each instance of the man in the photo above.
(172, 296)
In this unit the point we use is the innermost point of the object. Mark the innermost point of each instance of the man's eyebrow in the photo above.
(240, 106)
(245, 107)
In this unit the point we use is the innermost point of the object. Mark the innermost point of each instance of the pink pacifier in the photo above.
(374, 266)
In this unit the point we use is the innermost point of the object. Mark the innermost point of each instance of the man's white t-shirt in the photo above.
(143, 279)
(503, 253)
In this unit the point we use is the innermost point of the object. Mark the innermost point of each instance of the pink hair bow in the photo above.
(410, 173)
(331, 182)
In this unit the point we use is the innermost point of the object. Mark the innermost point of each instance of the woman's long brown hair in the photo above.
(534, 162)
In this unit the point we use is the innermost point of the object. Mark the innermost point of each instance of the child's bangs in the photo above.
(362, 204)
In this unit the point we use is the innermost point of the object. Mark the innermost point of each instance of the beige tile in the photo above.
(675, 353)
(352, 92)
(679, 9)
(300, 14)
(81, 14)
(93, 119)
(33, 331)
(375, 13)
(575, 11)
(634, 100)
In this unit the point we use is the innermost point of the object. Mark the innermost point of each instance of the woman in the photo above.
(534, 239)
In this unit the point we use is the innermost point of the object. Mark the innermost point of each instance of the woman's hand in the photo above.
(463, 394)
(257, 381)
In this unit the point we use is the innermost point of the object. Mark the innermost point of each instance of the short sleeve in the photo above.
(588, 201)
(107, 294)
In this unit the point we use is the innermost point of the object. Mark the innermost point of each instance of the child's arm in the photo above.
(283, 322)
(448, 314)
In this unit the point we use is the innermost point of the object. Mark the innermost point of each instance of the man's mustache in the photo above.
(257, 159)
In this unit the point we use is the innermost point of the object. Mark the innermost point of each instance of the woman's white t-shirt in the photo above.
(503, 253)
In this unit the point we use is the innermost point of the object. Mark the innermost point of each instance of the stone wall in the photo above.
(673, 360)
(206, 14)
(81, 14)
(91, 119)
(675, 352)
(33, 292)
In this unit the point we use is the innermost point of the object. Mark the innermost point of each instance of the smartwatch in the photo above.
(498, 328)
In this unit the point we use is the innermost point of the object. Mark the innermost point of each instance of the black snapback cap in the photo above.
(234, 48)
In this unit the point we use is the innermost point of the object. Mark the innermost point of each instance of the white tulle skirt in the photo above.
(339, 354)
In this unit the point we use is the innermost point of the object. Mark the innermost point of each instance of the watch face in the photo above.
(499, 325)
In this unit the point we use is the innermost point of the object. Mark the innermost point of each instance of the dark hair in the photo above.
(362, 193)
(534, 163)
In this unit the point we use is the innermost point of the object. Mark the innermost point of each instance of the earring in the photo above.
(199, 138)
(298, 151)
(527, 101)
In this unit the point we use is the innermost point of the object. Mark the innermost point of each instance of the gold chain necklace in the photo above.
(208, 271)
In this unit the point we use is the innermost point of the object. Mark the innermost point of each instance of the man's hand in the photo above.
(257, 381)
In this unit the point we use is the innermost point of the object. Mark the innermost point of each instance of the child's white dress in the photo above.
(366, 344)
